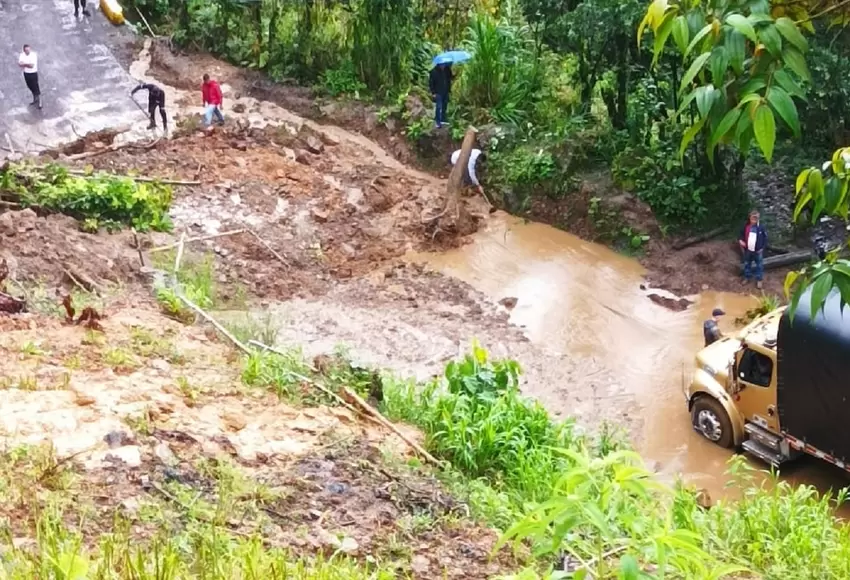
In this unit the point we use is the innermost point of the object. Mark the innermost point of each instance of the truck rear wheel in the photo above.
(710, 420)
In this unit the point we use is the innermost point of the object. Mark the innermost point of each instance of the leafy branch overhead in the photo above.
(823, 190)
(745, 67)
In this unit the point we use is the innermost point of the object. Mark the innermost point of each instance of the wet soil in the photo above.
(136, 426)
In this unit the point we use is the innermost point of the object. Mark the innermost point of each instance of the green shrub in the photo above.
(342, 81)
(99, 199)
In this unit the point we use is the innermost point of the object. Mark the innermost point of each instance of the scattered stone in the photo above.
(84, 400)
(420, 564)
(160, 365)
(348, 249)
(302, 157)
(674, 304)
(328, 139)
(509, 302)
(289, 154)
(117, 439)
(320, 215)
(164, 453)
(314, 145)
(234, 421)
(336, 487)
(131, 455)
(238, 108)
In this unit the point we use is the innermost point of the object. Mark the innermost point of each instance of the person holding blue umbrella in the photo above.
(440, 82)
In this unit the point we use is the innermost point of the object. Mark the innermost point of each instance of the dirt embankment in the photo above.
(710, 265)
(154, 414)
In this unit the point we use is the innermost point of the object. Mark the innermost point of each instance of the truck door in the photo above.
(756, 381)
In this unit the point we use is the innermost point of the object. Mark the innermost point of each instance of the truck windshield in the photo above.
(755, 368)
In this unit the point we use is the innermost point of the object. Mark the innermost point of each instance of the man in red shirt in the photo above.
(211, 92)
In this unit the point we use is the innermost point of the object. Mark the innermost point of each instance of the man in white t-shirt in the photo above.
(28, 61)
(469, 176)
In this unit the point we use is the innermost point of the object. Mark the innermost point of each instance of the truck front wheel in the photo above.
(710, 420)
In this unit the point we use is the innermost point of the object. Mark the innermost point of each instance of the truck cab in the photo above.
(732, 396)
(779, 387)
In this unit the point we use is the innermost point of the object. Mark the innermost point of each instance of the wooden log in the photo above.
(693, 240)
(789, 259)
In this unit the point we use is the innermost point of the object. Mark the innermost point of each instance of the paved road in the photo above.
(83, 86)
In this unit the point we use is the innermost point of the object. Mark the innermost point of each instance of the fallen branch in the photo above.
(197, 239)
(692, 241)
(138, 246)
(111, 148)
(214, 322)
(365, 409)
(269, 248)
(358, 400)
(82, 280)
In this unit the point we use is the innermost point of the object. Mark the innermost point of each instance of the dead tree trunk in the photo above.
(454, 215)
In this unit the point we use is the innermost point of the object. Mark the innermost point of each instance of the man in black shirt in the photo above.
(156, 98)
(440, 83)
(710, 330)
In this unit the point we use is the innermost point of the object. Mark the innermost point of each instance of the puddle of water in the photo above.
(586, 301)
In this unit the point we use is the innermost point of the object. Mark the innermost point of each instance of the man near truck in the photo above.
(753, 241)
(710, 329)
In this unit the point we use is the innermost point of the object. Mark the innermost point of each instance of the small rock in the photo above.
(314, 146)
(302, 157)
(164, 453)
(131, 506)
(118, 438)
(349, 545)
(397, 289)
(289, 153)
(235, 199)
(508, 302)
(84, 400)
(7, 224)
(238, 108)
(319, 215)
(328, 139)
(160, 365)
(348, 250)
(336, 487)
(234, 421)
(131, 455)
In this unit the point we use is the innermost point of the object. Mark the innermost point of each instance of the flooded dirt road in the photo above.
(585, 301)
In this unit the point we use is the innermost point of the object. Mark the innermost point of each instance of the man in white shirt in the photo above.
(28, 61)
(469, 176)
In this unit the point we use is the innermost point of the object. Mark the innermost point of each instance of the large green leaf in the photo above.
(694, 70)
(681, 33)
(706, 96)
(804, 201)
(726, 124)
(794, 60)
(801, 180)
(752, 86)
(771, 39)
(820, 290)
(832, 194)
(784, 80)
(841, 280)
(736, 47)
(764, 126)
(689, 135)
(792, 34)
(719, 63)
(784, 107)
(661, 36)
(740, 23)
(699, 36)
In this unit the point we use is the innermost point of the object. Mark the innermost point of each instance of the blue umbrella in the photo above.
(452, 57)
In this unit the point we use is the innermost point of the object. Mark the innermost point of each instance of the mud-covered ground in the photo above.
(149, 419)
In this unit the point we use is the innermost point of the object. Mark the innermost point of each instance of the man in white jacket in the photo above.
(28, 61)
(469, 176)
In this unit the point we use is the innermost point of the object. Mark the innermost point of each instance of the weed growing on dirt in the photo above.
(275, 372)
(261, 328)
(767, 303)
(100, 199)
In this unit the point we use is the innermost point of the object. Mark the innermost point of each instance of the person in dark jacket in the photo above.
(156, 98)
(440, 84)
(753, 241)
(710, 329)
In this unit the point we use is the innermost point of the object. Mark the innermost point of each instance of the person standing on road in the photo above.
(80, 4)
(28, 61)
(710, 329)
(440, 83)
(753, 241)
(470, 177)
(156, 98)
(211, 92)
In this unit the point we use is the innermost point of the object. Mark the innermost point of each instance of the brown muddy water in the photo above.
(585, 301)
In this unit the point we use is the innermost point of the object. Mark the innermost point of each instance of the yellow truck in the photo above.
(780, 387)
